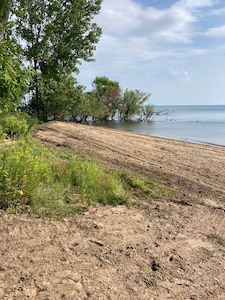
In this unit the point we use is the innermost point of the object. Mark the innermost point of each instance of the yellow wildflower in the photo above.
(20, 192)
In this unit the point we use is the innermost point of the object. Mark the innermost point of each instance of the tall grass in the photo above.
(55, 183)
(51, 183)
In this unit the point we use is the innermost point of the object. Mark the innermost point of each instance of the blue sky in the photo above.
(174, 50)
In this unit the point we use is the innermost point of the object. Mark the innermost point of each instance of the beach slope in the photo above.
(163, 249)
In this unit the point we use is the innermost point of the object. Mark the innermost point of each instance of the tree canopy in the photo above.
(13, 78)
(132, 104)
(57, 35)
(51, 38)
(109, 94)
(5, 7)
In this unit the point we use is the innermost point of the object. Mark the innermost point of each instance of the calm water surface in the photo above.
(205, 124)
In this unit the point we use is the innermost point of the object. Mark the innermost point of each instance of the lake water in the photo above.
(197, 123)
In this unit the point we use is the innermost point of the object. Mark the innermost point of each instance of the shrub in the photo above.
(16, 125)
(2, 133)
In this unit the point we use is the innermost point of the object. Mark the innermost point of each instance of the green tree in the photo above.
(88, 106)
(13, 78)
(109, 93)
(57, 97)
(148, 111)
(132, 104)
(58, 35)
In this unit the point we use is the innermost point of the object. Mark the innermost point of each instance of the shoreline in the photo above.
(160, 136)
(166, 248)
(189, 141)
(186, 167)
(203, 132)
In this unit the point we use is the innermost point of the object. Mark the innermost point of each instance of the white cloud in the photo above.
(216, 31)
(195, 3)
(148, 47)
(133, 34)
(218, 12)
(181, 75)
(119, 17)
(127, 18)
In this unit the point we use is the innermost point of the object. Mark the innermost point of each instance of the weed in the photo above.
(147, 188)
(217, 238)
(158, 191)
(133, 182)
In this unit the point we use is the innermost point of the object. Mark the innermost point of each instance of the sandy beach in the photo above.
(160, 249)
(195, 170)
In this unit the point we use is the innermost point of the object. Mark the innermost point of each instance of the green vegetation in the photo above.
(16, 125)
(51, 39)
(14, 80)
(55, 183)
(132, 104)
(217, 238)
(108, 94)
(143, 188)
(58, 35)
(39, 56)
(115, 104)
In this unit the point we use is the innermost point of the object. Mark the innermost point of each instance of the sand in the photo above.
(165, 249)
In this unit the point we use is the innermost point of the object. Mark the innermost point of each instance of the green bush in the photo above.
(2, 133)
(16, 125)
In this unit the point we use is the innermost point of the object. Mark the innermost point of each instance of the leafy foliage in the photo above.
(23, 166)
(13, 79)
(132, 104)
(56, 97)
(16, 125)
(5, 6)
(88, 105)
(58, 35)
(148, 111)
(2, 134)
(109, 94)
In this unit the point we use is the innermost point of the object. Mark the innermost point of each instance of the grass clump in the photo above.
(217, 238)
(93, 182)
(24, 166)
(53, 183)
(143, 187)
